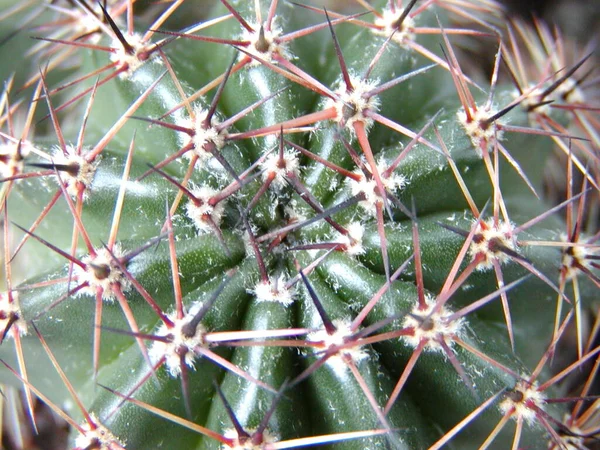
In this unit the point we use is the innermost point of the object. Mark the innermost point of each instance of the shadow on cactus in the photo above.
(285, 227)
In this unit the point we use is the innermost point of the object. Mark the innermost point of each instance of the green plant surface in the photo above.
(285, 226)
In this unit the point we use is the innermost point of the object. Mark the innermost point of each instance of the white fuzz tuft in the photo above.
(11, 158)
(246, 443)
(353, 241)
(568, 91)
(293, 212)
(573, 438)
(202, 212)
(483, 136)
(101, 272)
(265, 46)
(369, 187)
(432, 327)
(342, 335)
(273, 166)
(532, 99)
(81, 176)
(131, 62)
(202, 135)
(573, 442)
(10, 314)
(178, 343)
(96, 436)
(274, 291)
(576, 256)
(351, 106)
(386, 26)
(487, 238)
(526, 401)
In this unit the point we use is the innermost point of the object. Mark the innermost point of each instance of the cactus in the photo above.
(283, 226)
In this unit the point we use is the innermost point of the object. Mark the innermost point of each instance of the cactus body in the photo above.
(235, 260)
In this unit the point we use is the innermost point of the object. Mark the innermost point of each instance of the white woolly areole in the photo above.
(574, 256)
(82, 174)
(293, 213)
(431, 327)
(274, 291)
(131, 61)
(201, 212)
(340, 337)
(368, 186)
(353, 240)
(386, 26)
(279, 168)
(570, 92)
(246, 443)
(525, 399)
(96, 437)
(8, 312)
(178, 343)
(269, 40)
(485, 241)
(351, 106)
(483, 137)
(572, 441)
(202, 135)
(532, 99)
(102, 272)
(11, 158)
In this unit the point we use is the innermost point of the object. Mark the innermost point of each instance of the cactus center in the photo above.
(10, 314)
(482, 132)
(432, 327)
(180, 343)
(523, 401)
(492, 242)
(101, 272)
(96, 436)
(390, 22)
